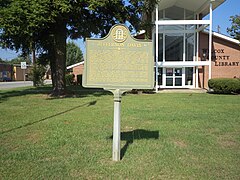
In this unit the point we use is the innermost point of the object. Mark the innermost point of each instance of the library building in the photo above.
(187, 52)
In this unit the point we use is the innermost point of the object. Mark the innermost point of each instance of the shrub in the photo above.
(79, 79)
(37, 74)
(225, 85)
(69, 79)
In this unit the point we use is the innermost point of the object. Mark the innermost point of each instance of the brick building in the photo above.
(76, 69)
(225, 58)
(186, 54)
(6, 72)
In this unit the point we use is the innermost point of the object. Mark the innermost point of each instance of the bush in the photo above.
(37, 75)
(225, 85)
(69, 79)
(79, 79)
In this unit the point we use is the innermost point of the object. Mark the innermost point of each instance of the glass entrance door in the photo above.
(173, 77)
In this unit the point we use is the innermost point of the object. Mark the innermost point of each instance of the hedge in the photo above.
(69, 79)
(79, 79)
(225, 85)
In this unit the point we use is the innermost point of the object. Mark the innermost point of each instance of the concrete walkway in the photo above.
(182, 91)
(16, 84)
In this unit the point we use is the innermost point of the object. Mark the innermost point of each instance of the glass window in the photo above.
(189, 76)
(173, 27)
(178, 81)
(160, 70)
(174, 47)
(190, 27)
(169, 81)
(174, 13)
(178, 76)
(189, 43)
(189, 15)
(169, 71)
(178, 71)
(160, 47)
(160, 14)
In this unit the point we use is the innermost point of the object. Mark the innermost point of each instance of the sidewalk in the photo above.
(17, 84)
(182, 91)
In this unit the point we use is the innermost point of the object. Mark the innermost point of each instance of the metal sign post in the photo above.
(24, 75)
(116, 150)
(24, 67)
(116, 126)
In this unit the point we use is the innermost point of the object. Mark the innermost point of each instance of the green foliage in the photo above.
(69, 79)
(37, 74)
(34, 20)
(20, 59)
(225, 85)
(79, 79)
(2, 61)
(234, 30)
(74, 54)
(144, 9)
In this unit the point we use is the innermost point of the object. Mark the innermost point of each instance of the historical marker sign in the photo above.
(119, 61)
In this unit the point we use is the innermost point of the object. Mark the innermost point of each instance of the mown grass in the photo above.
(164, 136)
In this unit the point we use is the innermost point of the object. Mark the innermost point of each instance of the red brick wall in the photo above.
(225, 59)
(78, 70)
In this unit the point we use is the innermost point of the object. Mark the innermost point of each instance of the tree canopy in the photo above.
(17, 60)
(234, 30)
(44, 26)
(74, 54)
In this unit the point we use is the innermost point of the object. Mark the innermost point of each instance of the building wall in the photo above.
(225, 59)
(78, 70)
(6, 72)
(19, 73)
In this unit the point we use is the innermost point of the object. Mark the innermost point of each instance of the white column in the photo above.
(210, 43)
(196, 77)
(156, 51)
(197, 56)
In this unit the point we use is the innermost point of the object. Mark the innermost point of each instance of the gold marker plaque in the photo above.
(118, 61)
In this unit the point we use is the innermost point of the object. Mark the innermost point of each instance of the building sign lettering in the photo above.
(219, 58)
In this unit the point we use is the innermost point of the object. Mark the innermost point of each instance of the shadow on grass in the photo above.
(136, 134)
(92, 103)
(5, 94)
(72, 92)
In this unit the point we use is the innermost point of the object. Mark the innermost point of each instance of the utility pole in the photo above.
(218, 29)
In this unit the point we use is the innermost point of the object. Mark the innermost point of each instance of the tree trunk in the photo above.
(57, 54)
(34, 60)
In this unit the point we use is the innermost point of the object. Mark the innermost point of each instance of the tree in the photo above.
(1, 60)
(144, 9)
(234, 30)
(20, 59)
(44, 26)
(74, 54)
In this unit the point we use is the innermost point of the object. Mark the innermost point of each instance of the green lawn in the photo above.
(164, 136)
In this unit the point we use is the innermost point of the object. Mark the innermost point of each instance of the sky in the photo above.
(221, 17)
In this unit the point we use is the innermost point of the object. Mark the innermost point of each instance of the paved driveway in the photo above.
(15, 84)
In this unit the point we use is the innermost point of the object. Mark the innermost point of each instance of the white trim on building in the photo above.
(74, 65)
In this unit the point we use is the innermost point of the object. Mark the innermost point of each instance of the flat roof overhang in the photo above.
(183, 64)
(197, 6)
